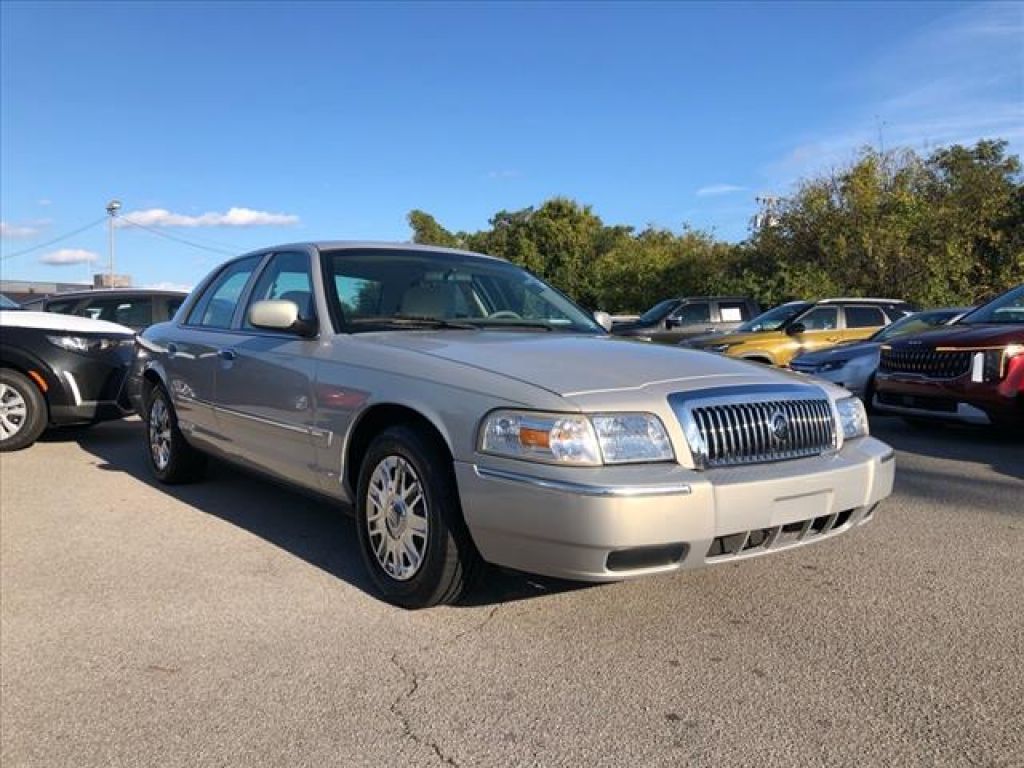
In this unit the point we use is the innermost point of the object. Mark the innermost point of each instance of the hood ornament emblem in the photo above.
(779, 425)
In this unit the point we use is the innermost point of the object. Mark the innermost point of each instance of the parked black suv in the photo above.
(674, 320)
(136, 308)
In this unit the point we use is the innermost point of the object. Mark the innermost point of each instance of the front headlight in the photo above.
(605, 438)
(719, 348)
(831, 365)
(853, 419)
(993, 363)
(85, 343)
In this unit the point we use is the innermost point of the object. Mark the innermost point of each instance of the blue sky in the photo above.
(240, 125)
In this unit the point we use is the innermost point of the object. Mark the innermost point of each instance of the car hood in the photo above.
(967, 336)
(575, 364)
(633, 325)
(716, 339)
(841, 352)
(52, 321)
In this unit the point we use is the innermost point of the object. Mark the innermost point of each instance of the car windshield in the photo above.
(920, 321)
(1008, 308)
(773, 319)
(389, 289)
(6, 303)
(658, 312)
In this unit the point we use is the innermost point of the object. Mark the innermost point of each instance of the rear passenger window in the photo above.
(733, 311)
(217, 305)
(133, 312)
(173, 305)
(62, 307)
(864, 317)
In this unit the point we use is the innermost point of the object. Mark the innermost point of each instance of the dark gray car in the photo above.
(675, 320)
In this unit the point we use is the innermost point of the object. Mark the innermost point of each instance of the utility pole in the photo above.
(112, 208)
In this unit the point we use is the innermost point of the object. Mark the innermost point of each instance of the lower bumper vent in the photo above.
(747, 542)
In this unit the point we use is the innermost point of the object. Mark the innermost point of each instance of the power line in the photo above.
(175, 238)
(55, 240)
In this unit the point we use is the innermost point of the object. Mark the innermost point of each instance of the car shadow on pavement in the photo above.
(1002, 451)
(310, 527)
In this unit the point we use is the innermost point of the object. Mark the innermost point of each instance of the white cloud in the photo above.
(504, 174)
(68, 256)
(17, 231)
(234, 217)
(717, 190)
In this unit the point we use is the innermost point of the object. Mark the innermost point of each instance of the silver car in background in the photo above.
(468, 413)
(853, 365)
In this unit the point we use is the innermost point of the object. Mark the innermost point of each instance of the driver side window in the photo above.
(286, 277)
(821, 319)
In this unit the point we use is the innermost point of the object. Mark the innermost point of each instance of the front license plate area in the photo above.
(795, 509)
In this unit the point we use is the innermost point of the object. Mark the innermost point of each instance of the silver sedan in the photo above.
(468, 413)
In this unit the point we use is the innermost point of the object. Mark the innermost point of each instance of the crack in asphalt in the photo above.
(413, 680)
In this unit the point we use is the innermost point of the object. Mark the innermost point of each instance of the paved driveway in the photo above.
(231, 623)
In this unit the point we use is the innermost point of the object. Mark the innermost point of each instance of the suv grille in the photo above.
(757, 425)
(924, 362)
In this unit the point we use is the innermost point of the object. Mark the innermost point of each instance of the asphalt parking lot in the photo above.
(231, 623)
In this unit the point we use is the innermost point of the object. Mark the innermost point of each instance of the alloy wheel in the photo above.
(160, 433)
(396, 518)
(13, 411)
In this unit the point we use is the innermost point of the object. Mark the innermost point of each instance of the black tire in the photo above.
(449, 561)
(23, 411)
(171, 457)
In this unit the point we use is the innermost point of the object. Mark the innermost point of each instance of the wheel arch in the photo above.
(374, 420)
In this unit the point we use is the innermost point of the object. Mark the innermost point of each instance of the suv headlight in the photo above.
(85, 343)
(831, 365)
(555, 438)
(719, 348)
(853, 419)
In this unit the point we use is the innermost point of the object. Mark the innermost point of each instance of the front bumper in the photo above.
(612, 523)
(956, 400)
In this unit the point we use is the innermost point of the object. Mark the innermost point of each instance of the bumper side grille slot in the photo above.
(799, 532)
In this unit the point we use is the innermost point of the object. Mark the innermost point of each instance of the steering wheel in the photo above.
(504, 314)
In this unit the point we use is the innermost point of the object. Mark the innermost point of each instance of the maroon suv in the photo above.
(971, 371)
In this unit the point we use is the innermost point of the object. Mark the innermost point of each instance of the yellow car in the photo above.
(824, 324)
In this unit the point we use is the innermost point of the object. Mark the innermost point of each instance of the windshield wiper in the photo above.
(535, 325)
(419, 321)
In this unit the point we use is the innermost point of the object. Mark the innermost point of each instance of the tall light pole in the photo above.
(112, 208)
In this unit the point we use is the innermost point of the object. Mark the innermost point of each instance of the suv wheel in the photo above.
(172, 458)
(23, 413)
(412, 537)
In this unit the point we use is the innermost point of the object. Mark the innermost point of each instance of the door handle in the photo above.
(172, 349)
(227, 354)
(833, 339)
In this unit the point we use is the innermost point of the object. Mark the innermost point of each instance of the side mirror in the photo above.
(280, 315)
(603, 319)
(671, 322)
(795, 329)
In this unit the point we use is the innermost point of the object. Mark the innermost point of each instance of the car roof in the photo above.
(714, 298)
(365, 245)
(861, 300)
(113, 292)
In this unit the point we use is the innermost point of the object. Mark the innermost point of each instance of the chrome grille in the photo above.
(751, 425)
(924, 362)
